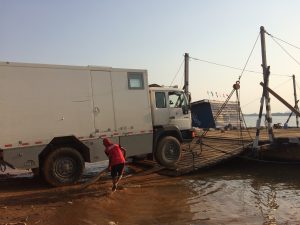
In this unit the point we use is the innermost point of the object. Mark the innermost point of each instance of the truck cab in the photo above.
(169, 106)
(171, 119)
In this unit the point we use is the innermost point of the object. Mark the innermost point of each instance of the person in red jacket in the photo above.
(116, 156)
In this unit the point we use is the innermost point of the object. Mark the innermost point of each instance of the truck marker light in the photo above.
(8, 145)
(38, 142)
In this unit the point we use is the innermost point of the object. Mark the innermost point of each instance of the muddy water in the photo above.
(234, 193)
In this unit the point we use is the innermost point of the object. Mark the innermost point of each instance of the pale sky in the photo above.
(155, 34)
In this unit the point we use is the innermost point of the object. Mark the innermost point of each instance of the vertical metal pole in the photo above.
(266, 72)
(186, 74)
(258, 122)
(296, 101)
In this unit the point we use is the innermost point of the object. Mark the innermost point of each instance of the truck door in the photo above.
(160, 110)
(103, 101)
(178, 110)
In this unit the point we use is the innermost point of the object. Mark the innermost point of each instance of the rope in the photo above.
(177, 72)
(282, 40)
(248, 58)
(270, 161)
(286, 51)
(279, 85)
(236, 87)
(219, 111)
(94, 179)
(244, 121)
(2, 167)
(239, 116)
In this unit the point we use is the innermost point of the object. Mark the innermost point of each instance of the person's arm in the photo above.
(109, 160)
(109, 165)
(123, 150)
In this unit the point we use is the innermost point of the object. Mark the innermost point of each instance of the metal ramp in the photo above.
(212, 151)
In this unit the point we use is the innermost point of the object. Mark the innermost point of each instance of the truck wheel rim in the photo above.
(171, 151)
(64, 167)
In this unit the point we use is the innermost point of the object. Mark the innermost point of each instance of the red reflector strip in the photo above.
(24, 144)
(115, 133)
(38, 142)
(8, 145)
(142, 131)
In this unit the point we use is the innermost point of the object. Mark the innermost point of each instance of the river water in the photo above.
(238, 192)
(251, 120)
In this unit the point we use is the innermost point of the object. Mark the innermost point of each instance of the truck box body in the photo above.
(41, 102)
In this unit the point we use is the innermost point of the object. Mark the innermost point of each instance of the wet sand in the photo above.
(238, 192)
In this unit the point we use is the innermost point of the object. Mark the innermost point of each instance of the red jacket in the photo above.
(114, 154)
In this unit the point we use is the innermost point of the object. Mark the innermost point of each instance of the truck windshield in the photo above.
(177, 99)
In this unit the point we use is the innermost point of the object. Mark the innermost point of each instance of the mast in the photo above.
(296, 101)
(266, 73)
(186, 74)
(265, 95)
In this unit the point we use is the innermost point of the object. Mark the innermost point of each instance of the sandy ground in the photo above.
(25, 199)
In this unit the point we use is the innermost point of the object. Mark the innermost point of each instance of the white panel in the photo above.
(132, 107)
(41, 103)
(103, 102)
(137, 144)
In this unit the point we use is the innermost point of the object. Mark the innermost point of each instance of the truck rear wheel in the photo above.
(168, 152)
(63, 166)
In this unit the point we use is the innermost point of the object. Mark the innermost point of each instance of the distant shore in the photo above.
(273, 114)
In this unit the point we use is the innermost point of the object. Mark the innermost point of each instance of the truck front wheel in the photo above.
(63, 166)
(168, 152)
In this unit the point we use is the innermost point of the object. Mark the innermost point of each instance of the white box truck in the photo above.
(53, 117)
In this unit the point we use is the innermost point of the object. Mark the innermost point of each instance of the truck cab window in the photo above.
(177, 99)
(135, 80)
(160, 99)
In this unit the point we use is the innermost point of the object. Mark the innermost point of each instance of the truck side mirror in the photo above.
(185, 109)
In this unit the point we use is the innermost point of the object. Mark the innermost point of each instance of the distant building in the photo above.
(204, 111)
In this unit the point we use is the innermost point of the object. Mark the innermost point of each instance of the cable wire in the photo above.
(254, 100)
(282, 40)
(177, 72)
(235, 68)
(285, 51)
(249, 57)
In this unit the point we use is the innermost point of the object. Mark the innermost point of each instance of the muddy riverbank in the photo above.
(232, 193)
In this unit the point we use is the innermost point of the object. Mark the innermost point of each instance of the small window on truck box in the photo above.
(135, 80)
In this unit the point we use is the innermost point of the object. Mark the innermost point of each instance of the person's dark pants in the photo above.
(117, 170)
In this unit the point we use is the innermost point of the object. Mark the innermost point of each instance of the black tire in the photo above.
(63, 166)
(168, 152)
